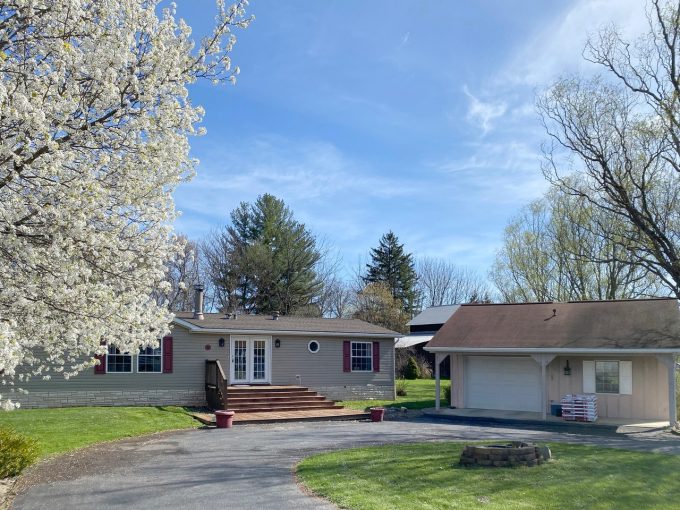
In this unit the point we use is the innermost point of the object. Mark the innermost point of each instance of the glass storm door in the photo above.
(259, 373)
(249, 360)
(239, 361)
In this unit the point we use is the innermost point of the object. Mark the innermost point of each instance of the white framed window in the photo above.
(362, 357)
(313, 346)
(608, 377)
(150, 360)
(117, 361)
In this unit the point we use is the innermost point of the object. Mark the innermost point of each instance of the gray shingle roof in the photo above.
(433, 315)
(624, 324)
(285, 323)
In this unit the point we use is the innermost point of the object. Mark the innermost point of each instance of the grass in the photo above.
(426, 476)
(420, 395)
(61, 430)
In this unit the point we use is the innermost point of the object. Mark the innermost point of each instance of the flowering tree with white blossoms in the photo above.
(94, 125)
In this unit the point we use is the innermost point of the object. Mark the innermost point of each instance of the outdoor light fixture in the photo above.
(277, 343)
(221, 342)
(567, 369)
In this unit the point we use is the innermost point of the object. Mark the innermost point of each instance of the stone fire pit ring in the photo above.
(516, 453)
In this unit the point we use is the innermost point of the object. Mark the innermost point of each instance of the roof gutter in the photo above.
(525, 350)
(223, 331)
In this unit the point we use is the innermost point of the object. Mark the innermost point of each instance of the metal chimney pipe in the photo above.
(199, 290)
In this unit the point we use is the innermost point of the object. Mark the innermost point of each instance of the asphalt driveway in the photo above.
(248, 467)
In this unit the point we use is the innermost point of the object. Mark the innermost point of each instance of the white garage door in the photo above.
(512, 383)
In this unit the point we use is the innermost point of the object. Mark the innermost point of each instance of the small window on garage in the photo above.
(314, 346)
(607, 377)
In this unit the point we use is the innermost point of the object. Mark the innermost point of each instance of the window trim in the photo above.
(618, 383)
(309, 346)
(131, 371)
(160, 355)
(351, 356)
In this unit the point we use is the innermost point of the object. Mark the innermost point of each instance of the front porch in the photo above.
(240, 418)
(266, 403)
(620, 425)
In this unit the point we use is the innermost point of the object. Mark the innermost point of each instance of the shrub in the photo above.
(401, 388)
(447, 393)
(424, 367)
(401, 357)
(412, 370)
(17, 452)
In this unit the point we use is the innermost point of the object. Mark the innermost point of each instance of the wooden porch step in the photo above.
(298, 398)
(292, 393)
(310, 415)
(288, 416)
(266, 387)
(277, 405)
(264, 399)
(271, 409)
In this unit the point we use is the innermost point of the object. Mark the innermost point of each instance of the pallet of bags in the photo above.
(579, 407)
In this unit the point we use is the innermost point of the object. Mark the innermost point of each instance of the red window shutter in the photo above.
(346, 356)
(376, 356)
(101, 368)
(167, 355)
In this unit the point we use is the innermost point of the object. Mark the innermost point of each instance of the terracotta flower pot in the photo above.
(224, 419)
(377, 413)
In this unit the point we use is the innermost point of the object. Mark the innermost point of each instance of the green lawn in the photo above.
(60, 430)
(426, 476)
(420, 395)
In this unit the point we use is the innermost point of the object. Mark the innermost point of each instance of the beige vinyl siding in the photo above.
(189, 355)
(325, 368)
(649, 399)
(186, 385)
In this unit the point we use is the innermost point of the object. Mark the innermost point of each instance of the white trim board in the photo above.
(525, 350)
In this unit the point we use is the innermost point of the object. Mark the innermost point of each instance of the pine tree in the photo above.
(269, 259)
(391, 265)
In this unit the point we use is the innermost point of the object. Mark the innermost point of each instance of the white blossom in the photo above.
(94, 123)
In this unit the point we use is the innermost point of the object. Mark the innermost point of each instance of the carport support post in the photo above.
(544, 360)
(437, 381)
(669, 361)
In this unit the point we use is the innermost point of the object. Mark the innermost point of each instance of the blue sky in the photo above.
(365, 117)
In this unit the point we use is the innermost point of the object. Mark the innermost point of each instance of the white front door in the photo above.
(250, 360)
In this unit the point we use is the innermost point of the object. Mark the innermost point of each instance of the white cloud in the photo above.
(315, 178)
(404, 39)
(502, 172)
(513, 155)
(310, 170)
(557, 48)
(481, 113)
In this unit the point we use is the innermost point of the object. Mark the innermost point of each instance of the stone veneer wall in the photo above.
(36, 399)
(356, 392)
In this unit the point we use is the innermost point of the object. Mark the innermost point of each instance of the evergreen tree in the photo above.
(391, 265)
(266, 259)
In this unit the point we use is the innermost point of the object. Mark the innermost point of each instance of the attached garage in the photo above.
(511, 383)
